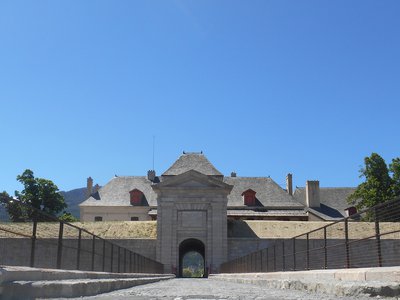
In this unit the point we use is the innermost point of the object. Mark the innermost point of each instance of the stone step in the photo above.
(22, 289)
(14, 273)
(382, 282)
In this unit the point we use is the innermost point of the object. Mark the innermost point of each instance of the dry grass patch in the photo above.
(357, 230)
(108, 230)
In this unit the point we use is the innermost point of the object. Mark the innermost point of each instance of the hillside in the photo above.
(73, 198)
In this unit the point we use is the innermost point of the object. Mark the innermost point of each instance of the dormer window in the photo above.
(249, 197)
(136, 197)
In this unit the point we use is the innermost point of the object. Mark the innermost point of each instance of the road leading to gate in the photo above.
(195, 289)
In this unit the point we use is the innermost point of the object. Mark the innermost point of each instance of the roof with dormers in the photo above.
(192, 161)
(269, 195)
(116, 192)
(268, 192)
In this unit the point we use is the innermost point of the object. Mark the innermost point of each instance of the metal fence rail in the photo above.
(47, 242)
(370, 238)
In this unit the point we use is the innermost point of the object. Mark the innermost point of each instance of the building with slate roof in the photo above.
(133, 198)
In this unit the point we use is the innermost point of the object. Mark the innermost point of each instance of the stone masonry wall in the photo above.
(17, 252)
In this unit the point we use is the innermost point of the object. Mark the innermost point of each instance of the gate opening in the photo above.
(192, 259)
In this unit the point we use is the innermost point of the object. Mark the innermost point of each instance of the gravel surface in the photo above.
(183, 289)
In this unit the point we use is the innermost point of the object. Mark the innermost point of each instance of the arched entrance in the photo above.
(195, 249)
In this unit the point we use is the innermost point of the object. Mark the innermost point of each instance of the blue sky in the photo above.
(263, 88)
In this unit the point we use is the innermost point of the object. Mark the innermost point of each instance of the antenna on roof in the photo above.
(154, 142)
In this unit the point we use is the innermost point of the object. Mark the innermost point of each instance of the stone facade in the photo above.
(115, 213)
(192, 202)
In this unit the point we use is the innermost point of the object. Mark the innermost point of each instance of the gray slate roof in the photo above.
(268, 192)
(192, 161)
(116, 192)
(333, 201)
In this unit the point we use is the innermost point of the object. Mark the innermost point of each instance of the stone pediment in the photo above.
(192, 179)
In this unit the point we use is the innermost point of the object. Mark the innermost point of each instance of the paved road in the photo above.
(195, 289)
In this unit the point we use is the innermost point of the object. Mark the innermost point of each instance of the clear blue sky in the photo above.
(261, 87)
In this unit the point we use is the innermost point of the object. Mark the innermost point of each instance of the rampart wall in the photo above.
(243, 238)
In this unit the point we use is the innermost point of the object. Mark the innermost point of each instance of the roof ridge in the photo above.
(127, 176)
(330, 187)
(192, 161)
(251, 177)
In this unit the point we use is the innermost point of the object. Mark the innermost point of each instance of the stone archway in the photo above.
(192, 205)
(191, 245)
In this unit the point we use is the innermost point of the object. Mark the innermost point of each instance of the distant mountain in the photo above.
(73, 198)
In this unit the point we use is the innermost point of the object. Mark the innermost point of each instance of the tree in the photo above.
(41, 194)
(15, 209)
(378, 187)
(5, 198)
(68, 217)
(394, 168)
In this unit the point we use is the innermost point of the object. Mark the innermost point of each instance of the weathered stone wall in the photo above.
(238, 247)
(17, 251)
(244, 237)
(363, 253)
(145, 247)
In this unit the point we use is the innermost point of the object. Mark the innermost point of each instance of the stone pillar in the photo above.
(312, 193)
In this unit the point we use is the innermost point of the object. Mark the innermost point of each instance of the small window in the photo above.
(249, 197)
(134, 218)
(98, 219)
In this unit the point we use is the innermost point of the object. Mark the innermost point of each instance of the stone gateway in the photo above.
(191, 216)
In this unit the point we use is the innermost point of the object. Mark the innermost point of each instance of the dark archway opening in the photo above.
(192, 259)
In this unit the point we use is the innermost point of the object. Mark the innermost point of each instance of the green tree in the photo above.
(15, 210)
(5, 198)
(378, 186)
(394, 168)
(39, 193)
(68, 217)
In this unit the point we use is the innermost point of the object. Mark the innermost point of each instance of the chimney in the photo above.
(89, 187)
(289, 184)
(151, 175)
(312, 193)
(233, 174)
(96, 188)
